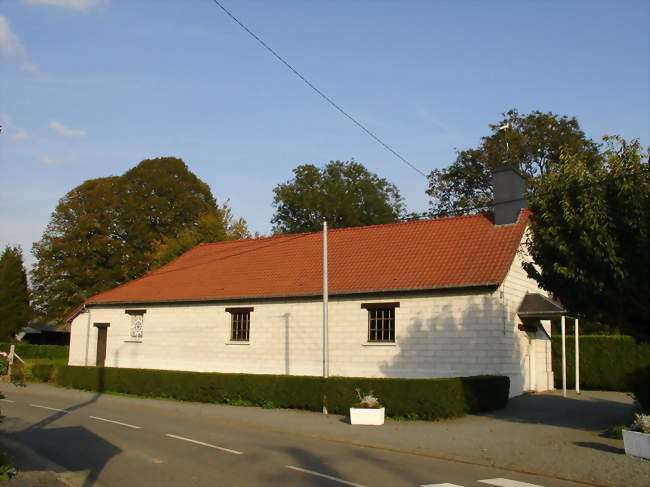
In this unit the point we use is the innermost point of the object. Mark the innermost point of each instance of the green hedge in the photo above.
(422, 398)
(411, 398)
(29, 351)
(261, 390)
(607, 362)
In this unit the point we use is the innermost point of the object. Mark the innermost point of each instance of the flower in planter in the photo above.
(366, 401)
(641, 423)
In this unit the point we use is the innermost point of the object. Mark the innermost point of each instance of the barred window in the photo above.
(381, 321)
(240, 324)
(137, 324)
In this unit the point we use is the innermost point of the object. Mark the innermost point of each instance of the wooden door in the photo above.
(102, 334)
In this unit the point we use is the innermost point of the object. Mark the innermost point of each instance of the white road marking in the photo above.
(6, 400)
(441, 485)
(51, 409)
(116, 422)
(507, 483)
(329, 477)
(205, 444)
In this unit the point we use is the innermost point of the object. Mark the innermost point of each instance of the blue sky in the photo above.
(89, 88)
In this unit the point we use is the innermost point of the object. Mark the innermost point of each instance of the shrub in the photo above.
(412, 398)
(40, 370)
(17, 373)
(607, 362)
(7, 470)
(29, 351)
(640, 386)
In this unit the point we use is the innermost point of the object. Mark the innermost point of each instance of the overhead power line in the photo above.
(313, 87)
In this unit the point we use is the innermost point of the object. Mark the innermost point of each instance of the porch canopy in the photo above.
(538, 307)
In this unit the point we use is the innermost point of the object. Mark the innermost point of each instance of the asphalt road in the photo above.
(115, 445)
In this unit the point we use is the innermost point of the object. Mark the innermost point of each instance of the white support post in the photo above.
(563, 356)
(86, 359)
(577, 349)
(10, 359)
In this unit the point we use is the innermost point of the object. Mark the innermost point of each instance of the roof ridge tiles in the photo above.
(252, 239)
(344, 229)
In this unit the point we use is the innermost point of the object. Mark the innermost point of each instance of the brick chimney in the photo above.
(509, 188)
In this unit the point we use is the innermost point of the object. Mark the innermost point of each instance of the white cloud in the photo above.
(29, 67)
(71, 4)
(9, 42)
(11, 46)
(20, 135)
(59, 128)
(52, 160)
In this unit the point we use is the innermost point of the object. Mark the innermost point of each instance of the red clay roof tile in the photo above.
(445, 252)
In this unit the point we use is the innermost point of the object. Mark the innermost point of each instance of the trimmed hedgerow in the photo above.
(422, 398)
(29, 351)
(410, 398)
(607, 362)
(243, 389)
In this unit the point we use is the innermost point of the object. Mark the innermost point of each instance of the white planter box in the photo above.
(637, 444)
(367, 416)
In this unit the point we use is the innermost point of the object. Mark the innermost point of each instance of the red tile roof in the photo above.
(445, 252)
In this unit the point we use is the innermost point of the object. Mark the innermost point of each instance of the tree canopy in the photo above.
(531, 143)
(589, 245)
(344, 193)
(15, 310)
(110, 230)
(214, 226)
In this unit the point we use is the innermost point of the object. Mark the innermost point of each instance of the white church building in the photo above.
(444, 297)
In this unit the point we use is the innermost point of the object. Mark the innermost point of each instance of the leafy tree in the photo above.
(15, 310)
(107, 231)
(159, 198)
(214, 226)
(532, 144)
(81, 251)
(590, 240)
(345, 194)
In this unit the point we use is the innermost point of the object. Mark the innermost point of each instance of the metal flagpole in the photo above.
(577, 352)
(563, 356)
(325, 316)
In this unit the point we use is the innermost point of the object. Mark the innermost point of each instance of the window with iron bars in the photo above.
(240, 324)
(381, 321)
